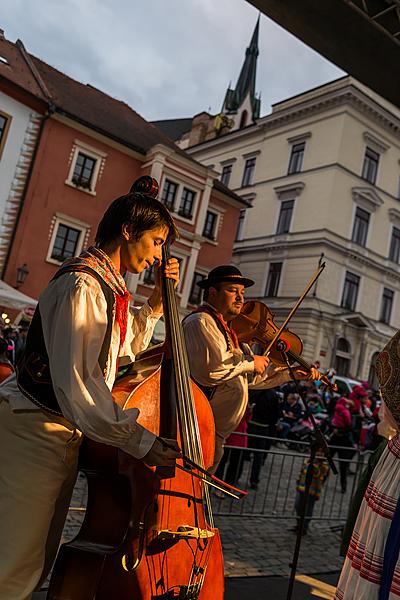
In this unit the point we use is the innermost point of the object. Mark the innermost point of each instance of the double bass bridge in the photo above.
(184, 532)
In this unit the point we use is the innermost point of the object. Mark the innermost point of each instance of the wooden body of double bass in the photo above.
(137, 541)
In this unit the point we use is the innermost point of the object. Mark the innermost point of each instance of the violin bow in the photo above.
(295, 307)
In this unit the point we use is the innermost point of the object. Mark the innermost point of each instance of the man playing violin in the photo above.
(82, 326)
(222, 367)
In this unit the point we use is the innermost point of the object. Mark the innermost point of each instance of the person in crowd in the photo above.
(231, 466)
(292, 411)
(319, 475)
(372, 562)
(6, 368)
(357, 394)
(222, 366)
(264, 418)
(82, 326)
(21, 341)
(341, 438)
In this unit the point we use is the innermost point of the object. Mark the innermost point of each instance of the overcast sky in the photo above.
(165, 58)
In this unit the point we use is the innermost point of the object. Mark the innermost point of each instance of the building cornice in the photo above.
(366, 198)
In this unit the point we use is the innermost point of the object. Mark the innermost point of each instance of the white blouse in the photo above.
(73, 310)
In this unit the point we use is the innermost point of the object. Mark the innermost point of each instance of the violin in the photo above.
(255, 325)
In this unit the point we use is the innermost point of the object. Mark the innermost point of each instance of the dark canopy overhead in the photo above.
(362, 37)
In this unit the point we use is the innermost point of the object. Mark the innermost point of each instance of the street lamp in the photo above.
(22, 272)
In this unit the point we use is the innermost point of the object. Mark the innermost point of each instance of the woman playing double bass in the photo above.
(82, 325)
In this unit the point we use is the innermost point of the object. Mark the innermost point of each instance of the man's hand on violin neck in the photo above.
(260, 364)
(301, 373)
(163, 453)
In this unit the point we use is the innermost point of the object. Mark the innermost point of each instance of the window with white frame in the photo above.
(285, 217)
(386, 306)
(196, 292)
(210, 225)
(394, 250)
(370, 165)
(226, 174)
(168, 195)
(240, 225)
(187, 203)
(85, 168)
(360, 226)
(5, 121)
(350, 291)
(274, 277)
(296, 158)
(66, 240)
(248, 173)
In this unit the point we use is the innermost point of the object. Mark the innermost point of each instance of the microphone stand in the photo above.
(317, 443)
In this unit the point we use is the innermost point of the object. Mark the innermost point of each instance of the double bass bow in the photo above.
(148, 532)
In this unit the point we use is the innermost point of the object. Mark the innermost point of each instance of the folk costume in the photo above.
(40, 434)
(371, 570)
(222, 367)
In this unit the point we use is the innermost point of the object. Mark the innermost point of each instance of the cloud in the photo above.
(164, 58)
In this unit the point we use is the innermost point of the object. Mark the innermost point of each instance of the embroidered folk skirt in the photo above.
(360, 578)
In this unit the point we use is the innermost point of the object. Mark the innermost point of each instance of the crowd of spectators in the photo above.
(12, 343)
(348, 421)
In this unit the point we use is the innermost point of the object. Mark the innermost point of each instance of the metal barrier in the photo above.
(275, 494)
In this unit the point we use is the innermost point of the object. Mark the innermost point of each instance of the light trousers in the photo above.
(38, 468)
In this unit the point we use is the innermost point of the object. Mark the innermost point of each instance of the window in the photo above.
(169, 194)
(285, 216)
(394, 251)
(85, 168)
(226, 174)
(274, 276)
(83, 171)
(360, 227)
(248, 172)
(342, 361)
(386, 306)
(240, 226)
(148, 275)
(195, 291)
(4, 125)
(350, 291)
(370, 165)
(65, 243)
(209, 225)
(296, 158)
(187, 203)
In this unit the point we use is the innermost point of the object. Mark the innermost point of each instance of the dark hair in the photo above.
(139, 213)
(206, 290)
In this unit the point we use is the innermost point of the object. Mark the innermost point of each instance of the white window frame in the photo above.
(95, 154)
(182, 270)
(178, 198)
(61, 219)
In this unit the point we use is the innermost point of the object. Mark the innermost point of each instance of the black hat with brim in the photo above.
(222, 274)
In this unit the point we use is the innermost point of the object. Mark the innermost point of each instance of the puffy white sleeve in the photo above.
(74, 318)
(210, 362)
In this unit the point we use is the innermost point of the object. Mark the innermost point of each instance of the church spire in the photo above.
(246, 83)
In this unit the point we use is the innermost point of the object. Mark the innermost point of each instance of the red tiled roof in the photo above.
(95, 108)
(16, 69)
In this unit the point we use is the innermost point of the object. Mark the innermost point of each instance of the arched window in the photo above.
(343, 357)
(243, 119)
(372, 376)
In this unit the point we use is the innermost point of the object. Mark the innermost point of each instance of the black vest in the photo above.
(33, 370)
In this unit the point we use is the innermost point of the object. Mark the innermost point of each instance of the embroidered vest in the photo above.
(33, 370)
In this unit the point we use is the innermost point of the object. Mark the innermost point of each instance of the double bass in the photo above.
(148, 532)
